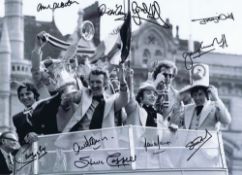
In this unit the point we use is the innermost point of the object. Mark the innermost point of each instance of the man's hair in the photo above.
(140, 95)
(167, 64)
(3, 136)
(100, 71)
(29, 87)
(197, 88)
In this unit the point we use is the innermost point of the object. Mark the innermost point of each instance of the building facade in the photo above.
(152, 43)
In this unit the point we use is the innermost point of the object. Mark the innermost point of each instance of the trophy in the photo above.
(60, 74)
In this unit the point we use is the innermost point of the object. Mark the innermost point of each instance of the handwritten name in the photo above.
(198, 141)
(215, 19)
(112, 160)
(155, 143)
(189, 56)
(89, 142)
(87, 161)
(30, 157)
(55, 5)
(152, 13)
(117, 160)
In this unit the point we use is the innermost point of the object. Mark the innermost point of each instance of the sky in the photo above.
(179, 12)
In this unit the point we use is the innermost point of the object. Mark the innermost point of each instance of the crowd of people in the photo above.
(70, 94)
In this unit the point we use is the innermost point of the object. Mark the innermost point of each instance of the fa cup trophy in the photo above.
(58, 70)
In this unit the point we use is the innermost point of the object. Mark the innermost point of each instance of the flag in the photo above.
(125, 34)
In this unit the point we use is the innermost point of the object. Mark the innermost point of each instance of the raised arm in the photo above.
(123, 98)
(222, 114)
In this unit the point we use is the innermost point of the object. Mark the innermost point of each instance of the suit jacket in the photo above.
(113, 103)
(211, 115)
(22, 126)
(44, 116)
(3, 165)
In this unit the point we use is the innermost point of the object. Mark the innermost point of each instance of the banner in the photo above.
(126, 149)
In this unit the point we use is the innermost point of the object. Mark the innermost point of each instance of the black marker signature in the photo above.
(152, 12)
(199, 140)
(30, 157)
(117, 11)
(215, 19)
(189, 56)
(87, 161)
(55, 5)
(155, 143)
(117, 160)
(88, 143)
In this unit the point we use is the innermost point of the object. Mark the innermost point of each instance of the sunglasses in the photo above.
(168, 75)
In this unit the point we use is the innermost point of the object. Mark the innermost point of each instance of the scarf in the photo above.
(151, 117)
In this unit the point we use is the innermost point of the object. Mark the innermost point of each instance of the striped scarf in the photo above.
(64, 45)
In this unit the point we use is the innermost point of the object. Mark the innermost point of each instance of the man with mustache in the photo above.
(97, 109)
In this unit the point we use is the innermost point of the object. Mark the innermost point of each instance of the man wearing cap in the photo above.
(9, 145)
(208, 110)
(168, 97)
(141, 109)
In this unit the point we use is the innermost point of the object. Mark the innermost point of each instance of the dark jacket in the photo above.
(22, 126)
(44, 116)
(3, 165)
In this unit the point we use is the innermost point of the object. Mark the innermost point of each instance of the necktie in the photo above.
(10, 162)
(28, 113)
(152, 116)
(199, 109)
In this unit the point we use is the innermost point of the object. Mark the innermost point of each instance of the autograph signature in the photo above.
(215, 19)
(117, 160)
(55, 5)
(199, 140)
(112, 160)
(155, 143)
(30, 157)
(189, 56)
(85, 161)
(88, 143)
(152, 13)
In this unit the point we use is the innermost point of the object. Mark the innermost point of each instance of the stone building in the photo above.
(152, 42)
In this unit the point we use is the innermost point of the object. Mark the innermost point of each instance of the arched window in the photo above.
(158, 53)
(146, 57)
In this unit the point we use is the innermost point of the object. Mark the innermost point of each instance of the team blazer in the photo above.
(211, 114)
(113, 103)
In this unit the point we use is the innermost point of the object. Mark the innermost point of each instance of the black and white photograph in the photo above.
(120, 87)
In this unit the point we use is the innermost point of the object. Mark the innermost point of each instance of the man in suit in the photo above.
(8, 147)
(168, 103)
(27, 95)
(88, 108)
(208, 110)
(97, 109)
